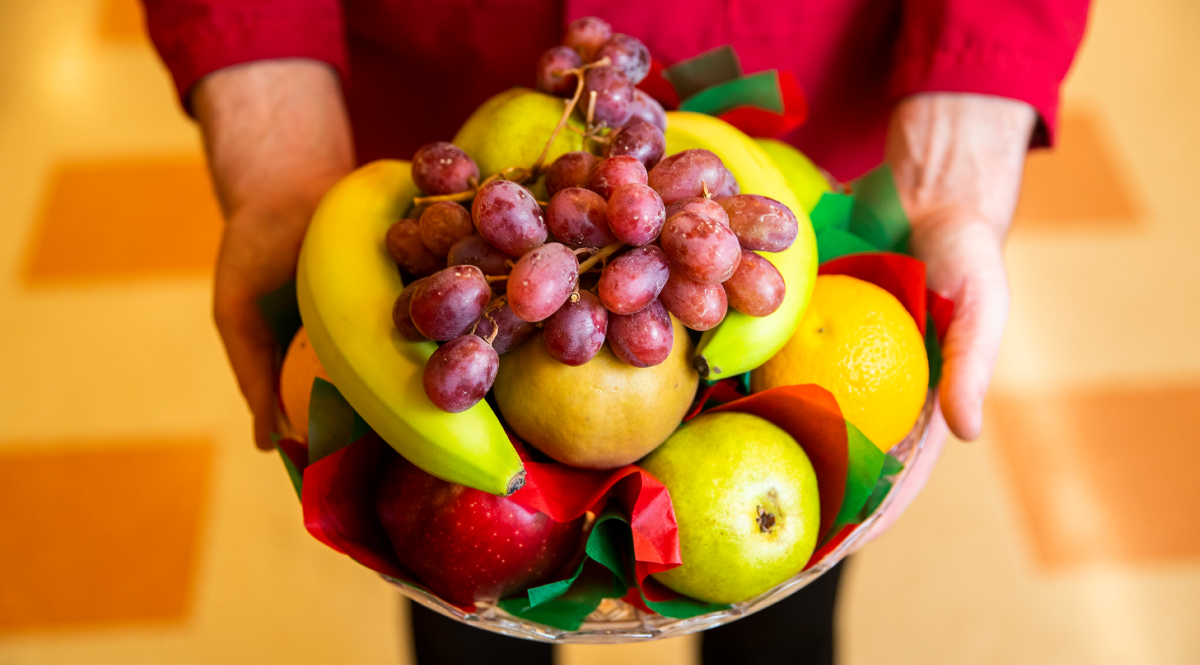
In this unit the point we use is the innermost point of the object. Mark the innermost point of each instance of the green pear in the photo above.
(805, 179)
(512, 128)
(745, 499)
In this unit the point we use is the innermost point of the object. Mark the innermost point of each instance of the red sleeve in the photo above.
(1020, 49)
(195, 37)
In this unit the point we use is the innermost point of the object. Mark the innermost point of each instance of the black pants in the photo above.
(795, 631)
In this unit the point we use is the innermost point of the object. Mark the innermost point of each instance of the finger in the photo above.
(250, 345)
(968, 266)
(916, 476)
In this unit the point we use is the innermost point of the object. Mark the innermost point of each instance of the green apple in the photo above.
(745, 499)
(805, 179)
(512, 128)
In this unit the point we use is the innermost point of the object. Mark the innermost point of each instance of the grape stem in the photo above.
(495, 329)
(495, 278)
(604, 253)
(566, 116)
(517, 174)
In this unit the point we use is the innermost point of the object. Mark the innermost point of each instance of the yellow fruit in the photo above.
(600, 415)
(742, 342)
(859, 343)
(805, 179)
(512, 128)
(346, 285)
(300, 367)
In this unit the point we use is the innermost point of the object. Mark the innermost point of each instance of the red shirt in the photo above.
(413, 70)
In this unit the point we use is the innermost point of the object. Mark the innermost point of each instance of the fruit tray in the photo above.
(617, 621)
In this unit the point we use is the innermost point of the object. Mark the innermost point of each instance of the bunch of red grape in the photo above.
(657, 235)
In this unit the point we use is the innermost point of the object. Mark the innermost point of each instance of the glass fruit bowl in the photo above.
(616, 621)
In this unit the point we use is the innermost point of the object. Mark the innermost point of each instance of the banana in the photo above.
(807, 181)
(740, 343)
(346, 284)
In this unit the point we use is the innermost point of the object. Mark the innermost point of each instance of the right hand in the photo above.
(277, 137)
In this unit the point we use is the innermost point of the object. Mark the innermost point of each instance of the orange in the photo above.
(858, 342)
(300, 367)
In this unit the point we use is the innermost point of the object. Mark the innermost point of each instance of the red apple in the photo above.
(467, 545)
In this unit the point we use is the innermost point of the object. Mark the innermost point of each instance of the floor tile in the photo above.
(122, 22)
(100, 535)
(1106, 475)
(122, 219)
(1080, 183)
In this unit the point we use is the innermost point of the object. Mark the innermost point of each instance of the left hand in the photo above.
(957, 159)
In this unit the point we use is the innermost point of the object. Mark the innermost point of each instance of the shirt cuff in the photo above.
(996, 71)
(197, 37)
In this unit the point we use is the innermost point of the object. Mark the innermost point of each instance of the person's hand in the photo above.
(277, 137)
(957, 159)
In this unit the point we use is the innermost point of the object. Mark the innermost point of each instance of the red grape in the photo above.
(569, 170)
(579, 218)
(444, 223)
(611, 173)
(636, 214)
(709, 208)
(402, 318)
(513, 331)
(508, 217)
(586, 35)
(403, 242)
(756, 287)
(643, 338)
(681, 175)
(638, 139)
(575, 333)
(633, 279)
(697, 306)
(460, 373)
(699, 248)
(542, 281)
(550, 68)
(614, 93)
(647, 108)
(475, 251)
(731, 186)
(442, 168)
(449, 302)
(627, 54)
(760, 223)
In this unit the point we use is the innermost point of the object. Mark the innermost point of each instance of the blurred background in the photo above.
(138, 523)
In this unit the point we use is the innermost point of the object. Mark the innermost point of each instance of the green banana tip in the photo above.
(700, 364)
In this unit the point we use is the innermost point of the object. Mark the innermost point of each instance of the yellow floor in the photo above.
(139, 525)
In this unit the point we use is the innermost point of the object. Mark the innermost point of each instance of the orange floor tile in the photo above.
(1106, 475)
(123, 219)
(1080, 183)
(100, 536)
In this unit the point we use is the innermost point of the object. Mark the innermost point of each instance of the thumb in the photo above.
(965, 262)
(250, 345)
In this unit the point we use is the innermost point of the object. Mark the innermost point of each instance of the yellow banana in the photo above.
(346, 284)
(740, 343)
